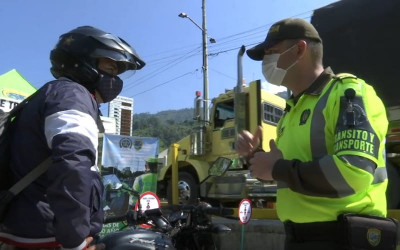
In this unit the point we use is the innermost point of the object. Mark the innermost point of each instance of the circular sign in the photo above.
(244, 211)
(147, 200)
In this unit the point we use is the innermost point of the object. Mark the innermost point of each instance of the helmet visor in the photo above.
(127, 75)
(114, 43)
(124, 60)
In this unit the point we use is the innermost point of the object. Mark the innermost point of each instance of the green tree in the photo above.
(168, 126)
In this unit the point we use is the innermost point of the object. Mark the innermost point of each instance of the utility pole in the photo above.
(205, 65)
(203, 29)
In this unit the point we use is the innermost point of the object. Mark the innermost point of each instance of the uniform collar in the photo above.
(318, 85)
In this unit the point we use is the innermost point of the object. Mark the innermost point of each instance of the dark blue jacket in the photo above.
(65, 202)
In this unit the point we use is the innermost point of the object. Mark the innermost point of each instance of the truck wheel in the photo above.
(392, 192)
(188, 189)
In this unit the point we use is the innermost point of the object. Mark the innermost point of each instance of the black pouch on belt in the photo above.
(368, 232)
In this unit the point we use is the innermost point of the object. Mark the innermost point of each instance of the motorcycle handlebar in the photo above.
(184, 208)
(130, 216)
(153, 212)
(114, 219)
(134, 218)
(218, 211)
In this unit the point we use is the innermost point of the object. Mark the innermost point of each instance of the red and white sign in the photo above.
(244, 211)
(148, 200)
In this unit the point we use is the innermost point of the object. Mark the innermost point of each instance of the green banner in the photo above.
(112, 227)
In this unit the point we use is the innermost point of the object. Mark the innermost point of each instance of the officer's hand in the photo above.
(262, 163)
(94, 247)
(247, 142)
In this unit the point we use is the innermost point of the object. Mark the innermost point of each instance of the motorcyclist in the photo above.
(62, 208)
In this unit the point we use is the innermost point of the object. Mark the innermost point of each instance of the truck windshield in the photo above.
(223, 111)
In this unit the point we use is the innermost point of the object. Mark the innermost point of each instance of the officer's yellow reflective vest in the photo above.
(335, 130)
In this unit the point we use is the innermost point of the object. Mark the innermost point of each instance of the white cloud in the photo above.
(272, 88)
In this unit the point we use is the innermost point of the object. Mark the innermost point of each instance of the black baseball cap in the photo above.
(290, 28)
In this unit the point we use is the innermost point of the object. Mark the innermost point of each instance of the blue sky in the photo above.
(170, 45)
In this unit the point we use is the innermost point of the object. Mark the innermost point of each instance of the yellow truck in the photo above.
(244, 107)
(359, 37)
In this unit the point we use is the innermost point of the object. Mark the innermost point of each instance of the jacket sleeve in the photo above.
(76, 188)
(355, 157)
(324, 177)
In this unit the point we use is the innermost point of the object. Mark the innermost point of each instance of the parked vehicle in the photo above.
(245, 107)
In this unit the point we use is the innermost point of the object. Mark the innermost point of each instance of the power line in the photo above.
(215, 49)
(164, 83)
(236, 48)
(219, 72)
(173, 56)
(181, 57)
(158, 71)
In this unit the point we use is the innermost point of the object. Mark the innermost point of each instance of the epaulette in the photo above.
(345, 75)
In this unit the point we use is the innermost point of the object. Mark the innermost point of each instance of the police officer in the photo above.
(148, 180)
(328, 157)
(62, 208)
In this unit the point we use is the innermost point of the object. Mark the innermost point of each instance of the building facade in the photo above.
(121, 108)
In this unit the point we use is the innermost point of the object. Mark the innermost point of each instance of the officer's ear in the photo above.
(301, 48)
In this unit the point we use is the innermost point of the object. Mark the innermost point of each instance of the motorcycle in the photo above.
(186, 227)
(194, 227)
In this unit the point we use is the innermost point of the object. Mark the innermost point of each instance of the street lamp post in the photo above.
(205, 58)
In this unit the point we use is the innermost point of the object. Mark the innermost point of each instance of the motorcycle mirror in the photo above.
(220, 166)
(111, 181)
(116, 196)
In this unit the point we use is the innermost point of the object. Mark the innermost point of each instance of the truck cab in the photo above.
(216, 138)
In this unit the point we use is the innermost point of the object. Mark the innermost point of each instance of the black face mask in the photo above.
(108, 86)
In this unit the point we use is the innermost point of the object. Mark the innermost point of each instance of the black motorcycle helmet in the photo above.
(76, 54)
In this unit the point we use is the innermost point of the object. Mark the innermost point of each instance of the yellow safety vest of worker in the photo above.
(146, 182)
(336, 127)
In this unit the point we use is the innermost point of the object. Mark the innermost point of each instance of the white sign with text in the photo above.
(245, 211)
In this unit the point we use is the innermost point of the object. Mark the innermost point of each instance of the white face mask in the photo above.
(270, 70)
